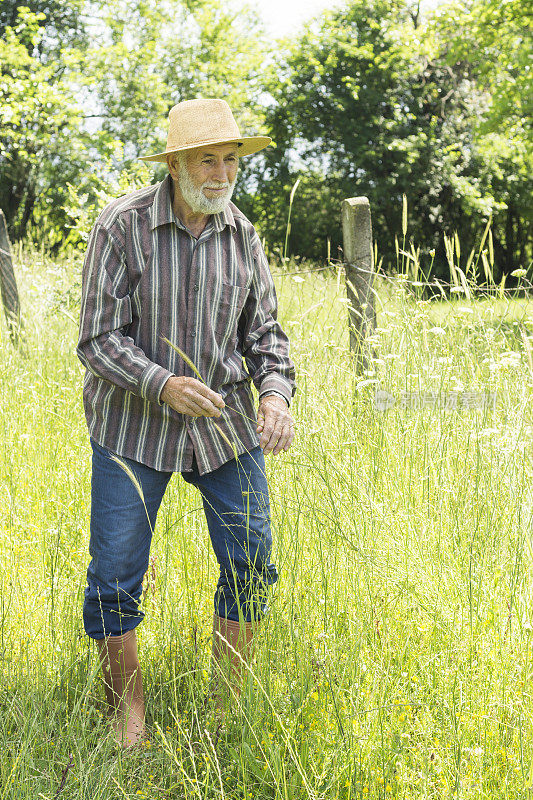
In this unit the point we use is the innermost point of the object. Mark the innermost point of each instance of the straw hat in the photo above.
(196, 123)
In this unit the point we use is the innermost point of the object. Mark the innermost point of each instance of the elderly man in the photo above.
(176, 293)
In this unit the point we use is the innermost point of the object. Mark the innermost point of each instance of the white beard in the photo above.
(196, 199)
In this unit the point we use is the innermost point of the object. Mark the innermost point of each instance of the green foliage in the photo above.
(370, 99)
(86, 200)
(494, 39)
(76, 120)
(40, 142)
(60, 23)
(367, 103)
(45, 146)
(147, 56)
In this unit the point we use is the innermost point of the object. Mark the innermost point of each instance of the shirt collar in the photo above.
(224, 218)
(161, 212)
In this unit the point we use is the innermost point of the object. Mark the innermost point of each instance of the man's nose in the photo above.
(221, 173)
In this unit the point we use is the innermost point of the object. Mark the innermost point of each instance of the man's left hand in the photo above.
(275, 424)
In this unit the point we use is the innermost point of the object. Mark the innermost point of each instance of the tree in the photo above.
(39, 121)
(366, 102)
(492, 40)
(149, 55)
(60, 24)
(77, 113)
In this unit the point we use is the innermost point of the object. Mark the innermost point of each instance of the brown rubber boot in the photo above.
(123, 686)
(227, 668)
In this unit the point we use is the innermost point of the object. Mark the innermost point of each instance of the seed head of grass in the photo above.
(130, 473)
(184, 357)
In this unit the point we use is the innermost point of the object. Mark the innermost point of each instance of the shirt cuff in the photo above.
(274, 383)
(152, 381)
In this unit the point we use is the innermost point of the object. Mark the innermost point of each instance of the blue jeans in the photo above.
(236, 506)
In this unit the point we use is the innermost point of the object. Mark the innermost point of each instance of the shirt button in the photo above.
(196, 287)
(193, 333)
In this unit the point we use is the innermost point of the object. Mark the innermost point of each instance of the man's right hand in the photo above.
(192, 397)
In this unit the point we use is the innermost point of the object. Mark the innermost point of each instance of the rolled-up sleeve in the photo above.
(106, 312)
(265, 344)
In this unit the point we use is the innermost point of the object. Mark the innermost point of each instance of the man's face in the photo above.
(206, 176)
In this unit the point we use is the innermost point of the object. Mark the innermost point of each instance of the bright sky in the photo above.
(285, 17)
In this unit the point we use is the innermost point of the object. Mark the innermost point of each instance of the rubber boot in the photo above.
(123, 686)
(227, 668)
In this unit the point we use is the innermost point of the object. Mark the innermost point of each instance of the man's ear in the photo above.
(170, 164)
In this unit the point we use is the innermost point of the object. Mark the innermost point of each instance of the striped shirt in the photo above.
(146, 277)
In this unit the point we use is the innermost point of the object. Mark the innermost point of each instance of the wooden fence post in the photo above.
(359, 265)
(8, 284)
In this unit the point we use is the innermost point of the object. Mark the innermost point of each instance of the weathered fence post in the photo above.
(359, 265)
(8, 283)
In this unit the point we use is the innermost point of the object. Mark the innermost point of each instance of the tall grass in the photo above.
(396, 661)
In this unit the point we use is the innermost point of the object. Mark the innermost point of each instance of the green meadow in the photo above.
(397, 657)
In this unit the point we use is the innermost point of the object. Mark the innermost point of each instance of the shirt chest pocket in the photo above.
(227, 311)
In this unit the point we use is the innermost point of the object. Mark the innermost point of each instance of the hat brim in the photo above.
(246, 144)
